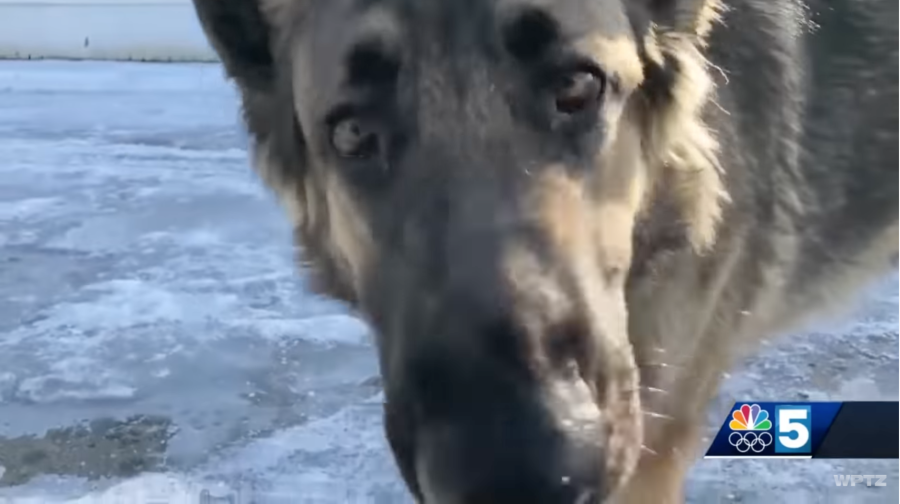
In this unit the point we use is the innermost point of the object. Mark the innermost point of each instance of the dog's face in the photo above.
(468, 173)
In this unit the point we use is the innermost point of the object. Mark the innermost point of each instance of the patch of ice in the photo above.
(66, 364)
(348, 430)
(125, 303)
(376, 399)
(75, 386)
(158, 356)
(162, 373)
(25, 208)
(794, 481)
(19, 237)
(340, 458)
(144, 489)
(130, 77)
(98, 164)
(326, 329)
(203, 238)
(97, 234)
(7, 385)
(862, 388)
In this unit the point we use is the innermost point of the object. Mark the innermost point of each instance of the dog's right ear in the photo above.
(242, 37)
(687, 17)
(242, 33)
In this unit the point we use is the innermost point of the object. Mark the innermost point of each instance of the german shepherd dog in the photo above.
(566, 219)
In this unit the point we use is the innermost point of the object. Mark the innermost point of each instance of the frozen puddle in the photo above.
(158, 346)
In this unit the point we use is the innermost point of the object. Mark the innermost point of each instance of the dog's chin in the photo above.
(600, 452)
(584, 496)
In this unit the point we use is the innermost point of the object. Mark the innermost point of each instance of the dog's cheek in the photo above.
(400, 437)
(349, 238)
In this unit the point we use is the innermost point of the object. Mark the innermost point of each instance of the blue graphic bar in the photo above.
(844, 430)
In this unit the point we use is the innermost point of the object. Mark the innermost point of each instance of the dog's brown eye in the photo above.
(578, 91)
(351, 138)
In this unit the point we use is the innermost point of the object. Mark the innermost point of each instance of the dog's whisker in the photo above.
(649, 450)
(659, 365)
(653, 414)
(720, 107)
(720, 70)
(586, 496)
(654, 390)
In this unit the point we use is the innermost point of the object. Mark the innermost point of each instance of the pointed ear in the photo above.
(240, 34)
(678, 86)
(243, 35)
(253, 38)
(687, 17)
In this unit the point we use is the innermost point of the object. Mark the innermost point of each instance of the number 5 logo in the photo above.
(793, 426)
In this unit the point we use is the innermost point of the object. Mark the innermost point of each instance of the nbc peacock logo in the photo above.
(750, 418)
(750, 425)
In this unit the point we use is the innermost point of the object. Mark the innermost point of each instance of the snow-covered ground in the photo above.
(158, 346)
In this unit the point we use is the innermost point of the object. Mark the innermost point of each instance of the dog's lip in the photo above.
(587, 496)
(588, 430)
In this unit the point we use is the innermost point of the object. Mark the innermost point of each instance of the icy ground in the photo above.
(157, 345)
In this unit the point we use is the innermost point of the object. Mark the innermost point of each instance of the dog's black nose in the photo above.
(511, 455)
(515, 474)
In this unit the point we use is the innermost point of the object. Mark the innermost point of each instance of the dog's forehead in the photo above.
(443, 20)
(459, 36)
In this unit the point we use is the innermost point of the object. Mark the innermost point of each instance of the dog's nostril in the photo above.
(568, 349)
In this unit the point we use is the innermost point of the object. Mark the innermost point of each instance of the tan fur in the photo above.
(350, 238)
(697, 17)
(616, 53)
(678, 142)
(659, 479)
(527, 285)
(619, 192)
(564, 213)
(290, 194)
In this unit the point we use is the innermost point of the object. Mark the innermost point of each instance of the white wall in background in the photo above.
(157, 30)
